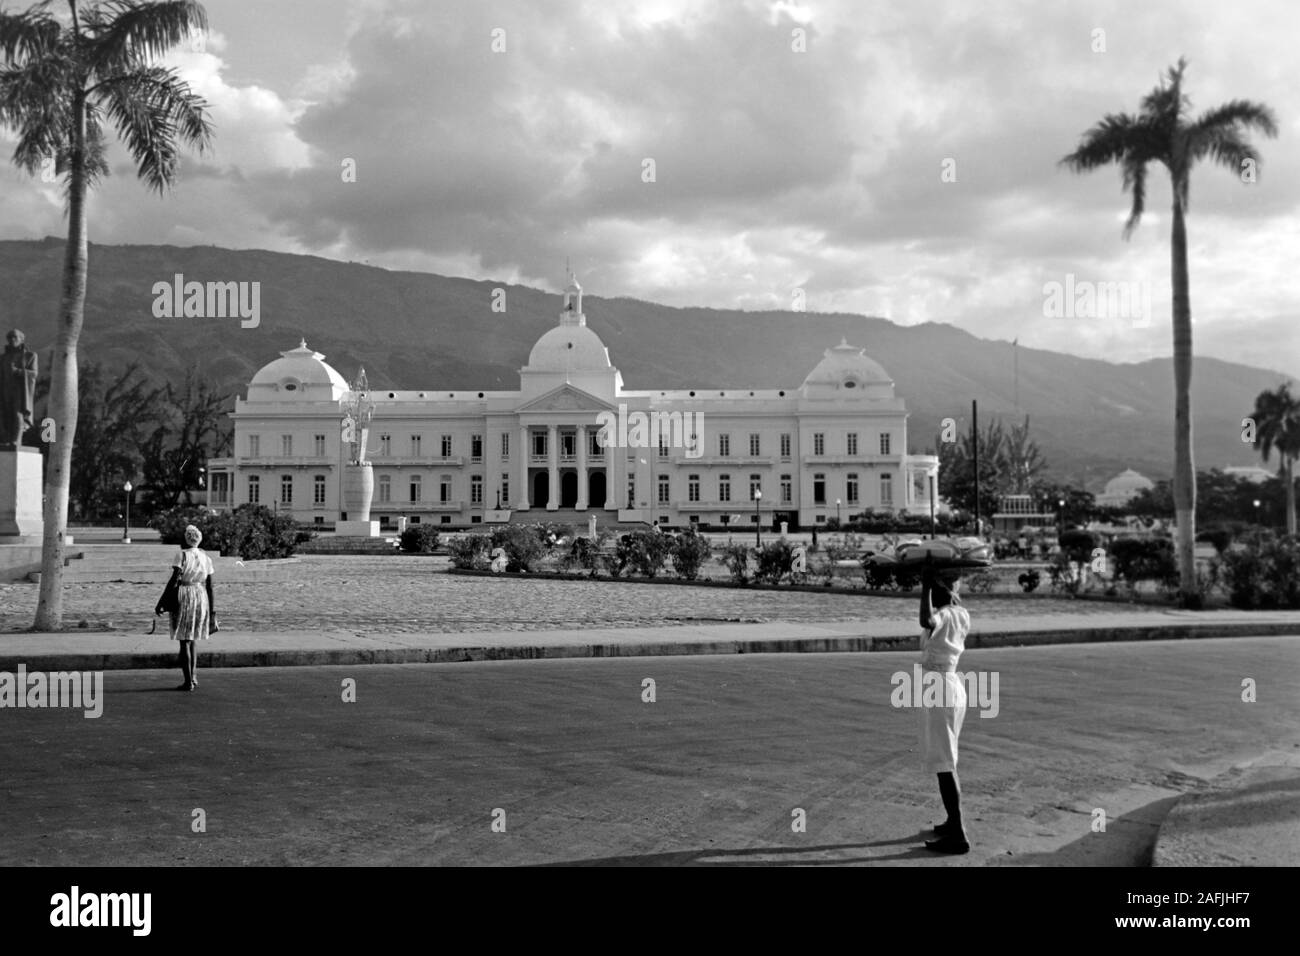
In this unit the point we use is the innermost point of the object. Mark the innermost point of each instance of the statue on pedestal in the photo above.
(17, 389)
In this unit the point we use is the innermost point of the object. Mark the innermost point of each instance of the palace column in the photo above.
(552, 468)
(521, 455)
(582, 467)
(611, 483)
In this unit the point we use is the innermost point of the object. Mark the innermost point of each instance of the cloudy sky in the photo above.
(895, 159)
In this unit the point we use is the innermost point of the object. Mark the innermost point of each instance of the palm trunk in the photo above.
(1184, 468)
(1288, 466)
(63, 387)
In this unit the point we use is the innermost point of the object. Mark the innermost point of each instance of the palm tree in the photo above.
(61, 81)
(1277, 424)
(1164, 132)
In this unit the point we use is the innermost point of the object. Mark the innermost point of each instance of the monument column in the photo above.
(552, 468)
(582, 467)
(522, 455)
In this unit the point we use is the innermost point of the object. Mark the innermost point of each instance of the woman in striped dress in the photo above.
(194, 619)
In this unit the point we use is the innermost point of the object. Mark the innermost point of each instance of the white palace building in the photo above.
(572, 441)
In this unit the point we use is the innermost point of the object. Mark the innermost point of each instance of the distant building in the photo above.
(1020, 511)
(836, 445)
(1252, 473)
(1123, 488)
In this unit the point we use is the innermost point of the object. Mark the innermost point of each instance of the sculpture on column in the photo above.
(358, 475)
(17, 389)
(359, 410)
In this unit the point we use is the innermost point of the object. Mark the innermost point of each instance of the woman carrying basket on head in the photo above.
(193, 620)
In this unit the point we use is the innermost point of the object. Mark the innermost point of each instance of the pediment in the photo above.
(566, 398)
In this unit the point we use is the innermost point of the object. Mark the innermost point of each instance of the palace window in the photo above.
(415, 447)
(755, 485)
(819, 443)
(385, 445)
(415, 488)
(505, 444)
(594, 447)
(819, 488)
(385, 489)
(663, 489)
(505, 492)
(444, 488)
(254, 446)
(787, 489)
(446, 446)
(887, 490)
(254, 490)
(785, 445)
(286, 489)
(692, 487)
(851, 488)
(568, 445)
(318, 491)
(319, 441)
(286, 446)
(851, 443)
(724, 446)
(884, 443)
(754, 445)
(476, 490)
(724, 487)
(476, 447)
(539, 444)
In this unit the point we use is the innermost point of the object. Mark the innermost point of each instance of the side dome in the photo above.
(1128, 482)
(847, 367)
(298, 372)
(568, 348)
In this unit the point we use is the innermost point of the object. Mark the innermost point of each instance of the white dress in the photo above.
(941, 647)
(191, 621)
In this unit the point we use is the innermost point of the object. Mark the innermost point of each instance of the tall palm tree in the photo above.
(1277, 425)
(62, 79)
(1164, 132)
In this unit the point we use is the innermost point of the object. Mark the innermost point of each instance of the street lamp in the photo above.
(1256, 511)
(758, 524)
(837, 512)
(1060, 515)
(126, 525)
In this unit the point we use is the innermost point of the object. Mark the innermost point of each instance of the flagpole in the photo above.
(1015, 362)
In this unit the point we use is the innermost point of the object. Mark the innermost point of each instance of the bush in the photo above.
(255, 533)
(419, 539)
(736, 558)
(689, 552)
(1144, 559)
(470, 552)
(1078, 545)
(586, 553)
(171, 524)
(879, 576)
(828, 569)
(644, 551)
(1029, 580)
(523, 545)
(774, 562)
(981, 582)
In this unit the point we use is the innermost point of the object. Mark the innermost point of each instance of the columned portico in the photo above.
(522, 455)
(552, 468)
(583, 477)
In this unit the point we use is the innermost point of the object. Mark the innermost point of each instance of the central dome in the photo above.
(848, 366)
(568, 348)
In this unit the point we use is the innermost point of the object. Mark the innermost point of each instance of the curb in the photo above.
(633, 648)
(1249, 816)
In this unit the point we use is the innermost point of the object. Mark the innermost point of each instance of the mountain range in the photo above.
(1091, 418)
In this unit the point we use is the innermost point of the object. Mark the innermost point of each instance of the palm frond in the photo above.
(133, 33)
(1135, 179)
(151, 109)
(29, 35)
(1107, 142)
(1240, 116)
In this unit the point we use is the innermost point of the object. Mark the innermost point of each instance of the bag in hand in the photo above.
(170, 602)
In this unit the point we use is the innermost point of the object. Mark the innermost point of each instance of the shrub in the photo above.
(255, 533)
(523, 546)
(981, 582)
(1144, 559)
(879, 576)
(470, 552)
(827, 569)
(586, 553)
(1065, 573)
(170, 524)
(689, 552)
(736, 558)
(1078, 545)
(644, 551)
(419, 539)
(774, 562)
(1029, 580)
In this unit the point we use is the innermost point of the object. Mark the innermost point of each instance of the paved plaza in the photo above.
(585, 770)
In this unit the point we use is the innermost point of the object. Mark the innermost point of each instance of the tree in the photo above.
(188, 432)
(62, 80)
(1010, 461)
(1277, 424)
(1162, 132)
(112, 418)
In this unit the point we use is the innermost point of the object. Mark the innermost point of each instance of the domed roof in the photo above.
(847, 363)
(568, 348)
(1128, 481)
(300, 367)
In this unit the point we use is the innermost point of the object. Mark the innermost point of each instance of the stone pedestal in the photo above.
(20, 496)
(358, 489)
(357, 529)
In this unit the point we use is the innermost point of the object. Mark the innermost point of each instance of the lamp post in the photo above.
(1060, 515)
(1256, 511)
(126, 524)
(837, 514)
(758, 524)
(932, 507)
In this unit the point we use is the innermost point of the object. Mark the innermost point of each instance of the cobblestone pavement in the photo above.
(394, 594)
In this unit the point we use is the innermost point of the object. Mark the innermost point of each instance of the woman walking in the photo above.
(193, 619)
(946, 624)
